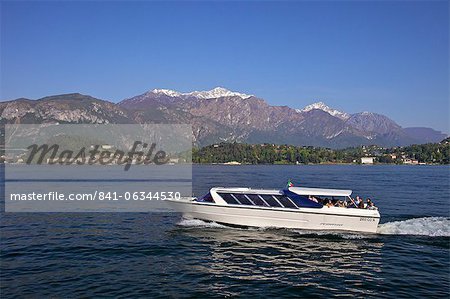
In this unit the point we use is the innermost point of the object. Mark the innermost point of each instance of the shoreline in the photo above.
(320, 164)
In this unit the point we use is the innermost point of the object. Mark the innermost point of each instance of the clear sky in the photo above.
(386, 57)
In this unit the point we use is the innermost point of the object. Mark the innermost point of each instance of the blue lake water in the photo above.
(72, 255)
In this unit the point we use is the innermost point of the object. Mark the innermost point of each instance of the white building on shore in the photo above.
(367, 160)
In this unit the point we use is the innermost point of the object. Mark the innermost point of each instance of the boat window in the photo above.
(242, 199)
(301, 200)
(206, 198)
(321, 199)
(270, 200)
(286, 202)
(228, 198)
(257, 200)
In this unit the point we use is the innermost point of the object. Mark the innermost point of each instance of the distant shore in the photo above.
(315, 164)
(273, 154)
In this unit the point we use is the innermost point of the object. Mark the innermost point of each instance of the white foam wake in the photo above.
(427, 226)
(198, 222)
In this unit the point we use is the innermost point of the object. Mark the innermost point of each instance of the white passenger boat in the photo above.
(293, 207)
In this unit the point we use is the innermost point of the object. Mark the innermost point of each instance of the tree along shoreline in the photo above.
(272, 154)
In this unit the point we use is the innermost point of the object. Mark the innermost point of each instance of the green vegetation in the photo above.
(431, 153)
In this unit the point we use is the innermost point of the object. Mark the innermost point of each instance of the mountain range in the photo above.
(221, 115)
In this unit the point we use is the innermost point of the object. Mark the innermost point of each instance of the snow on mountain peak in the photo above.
(217, 93)
(322, 106)
(208, 94)
(167, 92)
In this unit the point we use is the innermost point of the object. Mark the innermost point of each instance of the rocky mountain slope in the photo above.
(68, 108)
(221, 115)
(427, 135)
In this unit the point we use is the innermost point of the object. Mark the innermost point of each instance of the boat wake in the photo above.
(199, 223)
(427, 226)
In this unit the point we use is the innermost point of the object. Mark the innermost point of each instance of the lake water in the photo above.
(161, 255)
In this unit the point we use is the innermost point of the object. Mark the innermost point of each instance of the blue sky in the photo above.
(385, 57)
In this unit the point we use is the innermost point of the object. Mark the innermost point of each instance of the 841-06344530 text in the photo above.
(97, 195)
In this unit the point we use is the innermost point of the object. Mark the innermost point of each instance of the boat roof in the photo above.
(246, 189)
(297, 190)
(319, 191)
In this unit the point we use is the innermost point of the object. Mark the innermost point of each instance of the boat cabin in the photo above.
(290, 198)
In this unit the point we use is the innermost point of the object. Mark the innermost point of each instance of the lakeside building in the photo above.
(410, 161)
(232, 163)
(367, 160)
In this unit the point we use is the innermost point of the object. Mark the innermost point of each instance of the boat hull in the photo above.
(328, 219)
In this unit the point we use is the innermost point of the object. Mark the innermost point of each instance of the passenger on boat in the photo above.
(328, 202)
(371, 205)
(313, 198)
(361, 204)
(353, 202)
(340, 204)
